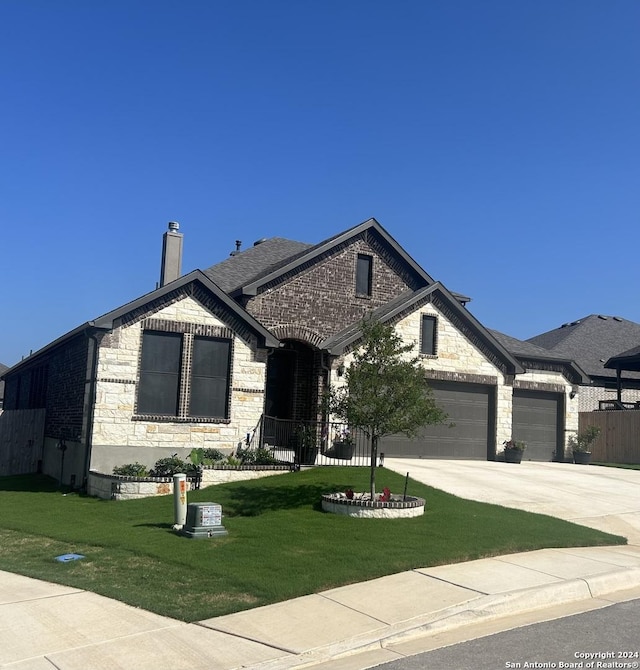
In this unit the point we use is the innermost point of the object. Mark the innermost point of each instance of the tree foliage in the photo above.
(385, 390)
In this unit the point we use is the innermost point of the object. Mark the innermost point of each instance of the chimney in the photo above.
(171, 254)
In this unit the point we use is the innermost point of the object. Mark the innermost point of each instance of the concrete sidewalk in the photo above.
(45, 626)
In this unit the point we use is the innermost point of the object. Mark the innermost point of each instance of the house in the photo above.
(591, 342)
(202, 359)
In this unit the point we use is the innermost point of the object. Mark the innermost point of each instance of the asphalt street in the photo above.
(602, 639)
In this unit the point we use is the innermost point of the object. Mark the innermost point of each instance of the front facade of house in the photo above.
(200, 361)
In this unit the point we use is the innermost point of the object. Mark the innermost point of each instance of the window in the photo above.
(184, 375)
(364, 274)
(428, 335)
(210, 377)
(160, 373)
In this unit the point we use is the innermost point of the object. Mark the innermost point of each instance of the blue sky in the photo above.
(497, 141)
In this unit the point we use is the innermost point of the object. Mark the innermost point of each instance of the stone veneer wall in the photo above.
(115, 487)
(456, 354)
(119, 439)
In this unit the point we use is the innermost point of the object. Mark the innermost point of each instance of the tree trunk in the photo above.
(374, 460)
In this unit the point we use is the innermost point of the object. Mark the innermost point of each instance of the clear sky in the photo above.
(497, 141)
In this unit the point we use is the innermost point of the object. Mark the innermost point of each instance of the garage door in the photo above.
(470, 407)
(537, 421)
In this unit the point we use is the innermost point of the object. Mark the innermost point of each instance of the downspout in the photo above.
(325, 365)
(91, 335)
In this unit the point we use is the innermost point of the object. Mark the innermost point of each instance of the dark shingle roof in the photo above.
(245, 268)
(591, 341)
(522, 348)
(249, 265)
(530, 354)
(627, 360)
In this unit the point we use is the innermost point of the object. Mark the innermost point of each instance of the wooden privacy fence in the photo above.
(619, 440)
(21, 441)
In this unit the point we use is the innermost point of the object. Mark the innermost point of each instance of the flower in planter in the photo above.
(385, 496)
(515, 445)
(343, 435)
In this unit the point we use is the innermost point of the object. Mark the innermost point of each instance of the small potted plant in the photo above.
(580, 444)
(513, 450)
(343, 444)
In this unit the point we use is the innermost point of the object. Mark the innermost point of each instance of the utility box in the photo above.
(204, 520)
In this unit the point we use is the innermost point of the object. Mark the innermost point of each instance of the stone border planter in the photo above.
(365, 508)
(118, 487)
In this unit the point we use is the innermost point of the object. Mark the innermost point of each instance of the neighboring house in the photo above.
(591, 342)
(199, 361)
(3, 369)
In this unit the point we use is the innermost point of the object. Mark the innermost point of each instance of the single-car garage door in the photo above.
(471, 410)
(537, 420)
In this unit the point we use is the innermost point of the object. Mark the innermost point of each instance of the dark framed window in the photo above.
(364, 274)
(184, 375)
(159, 387)
(428, 332)
(210, 367)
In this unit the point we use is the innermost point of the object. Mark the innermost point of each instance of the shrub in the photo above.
(260, 456)
(213, 455)
(131, 470)
(583, 441)
(167, 467)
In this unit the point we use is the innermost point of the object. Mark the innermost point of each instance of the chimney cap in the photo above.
(173, 226)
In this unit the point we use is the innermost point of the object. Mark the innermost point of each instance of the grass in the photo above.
(627, 466)
(280, 544)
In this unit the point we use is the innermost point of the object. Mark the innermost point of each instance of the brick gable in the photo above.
(321, 295)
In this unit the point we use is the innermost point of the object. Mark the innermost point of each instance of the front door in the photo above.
(280, 378)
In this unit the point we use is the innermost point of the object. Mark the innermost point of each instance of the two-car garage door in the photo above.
(467, 432)
(470, 428)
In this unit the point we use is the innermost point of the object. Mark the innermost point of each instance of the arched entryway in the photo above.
(294, 381)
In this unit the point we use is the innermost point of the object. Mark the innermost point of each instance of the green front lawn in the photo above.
(627, 466)
(280, 543)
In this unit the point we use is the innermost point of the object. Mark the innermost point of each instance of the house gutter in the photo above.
(91, 332)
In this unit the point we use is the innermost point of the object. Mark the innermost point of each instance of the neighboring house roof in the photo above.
(627, 360)
(245, 271)
(106, 321)
(438, 294)
(531, 356)
(592, 341)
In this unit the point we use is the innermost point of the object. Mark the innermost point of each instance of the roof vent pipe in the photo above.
(171, 265)
(237, 251)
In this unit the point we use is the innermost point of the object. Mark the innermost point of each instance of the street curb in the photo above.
(481, 609)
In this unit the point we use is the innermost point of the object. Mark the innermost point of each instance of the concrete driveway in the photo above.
(607, 499)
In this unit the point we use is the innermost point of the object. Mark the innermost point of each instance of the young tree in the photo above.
(385, 390)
